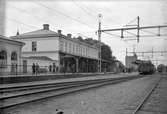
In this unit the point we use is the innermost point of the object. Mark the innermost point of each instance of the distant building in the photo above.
(10, 55)
(68, 54)
(129, 62)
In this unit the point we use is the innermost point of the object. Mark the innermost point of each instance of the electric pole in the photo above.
(99, 39)
(138, 25)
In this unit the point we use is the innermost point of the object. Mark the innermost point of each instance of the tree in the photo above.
(106, 52)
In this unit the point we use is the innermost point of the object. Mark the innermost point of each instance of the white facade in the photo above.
(74, 47)
(43, 64)
(129, 62)
(45, 47)
(45, 42)
(10, 55)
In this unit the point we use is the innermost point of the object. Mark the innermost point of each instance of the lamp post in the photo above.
(99, 41)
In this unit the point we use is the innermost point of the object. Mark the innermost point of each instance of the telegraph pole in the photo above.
(133, 49)
(152, 52)
(138, 25)
(99, 39)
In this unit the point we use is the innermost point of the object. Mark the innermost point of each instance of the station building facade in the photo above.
(10, 55)
(63, 51)
(129, 62)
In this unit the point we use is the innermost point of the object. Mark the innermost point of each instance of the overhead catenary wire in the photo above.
(88, 9)
(30, 14)
(83, 9)
(63, 14)
(112, 34)
(39, 19)
(131, 22)
(92, 10)
(150, 32)
(27, 25)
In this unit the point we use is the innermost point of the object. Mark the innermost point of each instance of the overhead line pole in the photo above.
(152, 51)
(134, 28)
(138, 28)
(138, 25)
(99, 39)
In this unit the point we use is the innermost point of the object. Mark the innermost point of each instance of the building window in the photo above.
(77, 49)
(84, 51)
(61, 46)
(34, 46)
(73, 48)
(14, 56)
(66, 46)
(81, 50)
(70, 49)
(3, 59)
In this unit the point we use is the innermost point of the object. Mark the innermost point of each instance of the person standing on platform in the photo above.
(50, 68)
(37, 68)
(54, 67)
(33, 68)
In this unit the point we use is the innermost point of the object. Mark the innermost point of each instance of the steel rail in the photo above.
(146, 97)
(51, 93)
(50, 88)
(38, 86)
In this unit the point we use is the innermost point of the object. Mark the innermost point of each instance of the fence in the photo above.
(15, 70)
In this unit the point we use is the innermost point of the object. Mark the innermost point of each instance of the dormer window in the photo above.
(34, 46)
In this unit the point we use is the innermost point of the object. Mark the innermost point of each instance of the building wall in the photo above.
(77, 48)
(42, 63)
(9, 48)
(129, 60)
(45, 47)
(53, 55)
(43, 44)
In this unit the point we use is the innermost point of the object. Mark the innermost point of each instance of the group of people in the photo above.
(35, 68)
(53, 68)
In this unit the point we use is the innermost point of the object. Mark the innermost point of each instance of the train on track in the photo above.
(146, 68)
(161, 68)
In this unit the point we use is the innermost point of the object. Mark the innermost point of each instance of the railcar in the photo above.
(161, 68)
(146, 68)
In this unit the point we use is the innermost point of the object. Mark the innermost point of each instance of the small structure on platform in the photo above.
(46, 64)
(10, 55)
(129, 63)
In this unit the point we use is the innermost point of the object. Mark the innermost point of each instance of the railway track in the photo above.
(146, 97)
(13, 96)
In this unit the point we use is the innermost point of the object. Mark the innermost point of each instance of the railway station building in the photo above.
(10, 55)
(129, 62)
(63, 52)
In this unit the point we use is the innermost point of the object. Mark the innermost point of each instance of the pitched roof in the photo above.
(6, 39)
(36, 33)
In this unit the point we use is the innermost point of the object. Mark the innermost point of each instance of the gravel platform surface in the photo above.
(121, 98)
(157, 102)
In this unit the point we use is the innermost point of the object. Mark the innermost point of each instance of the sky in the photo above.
(80, 18)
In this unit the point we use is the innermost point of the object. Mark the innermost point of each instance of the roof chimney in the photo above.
(69, 35)
(59, 32)
(17, 32)
(45, 26)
